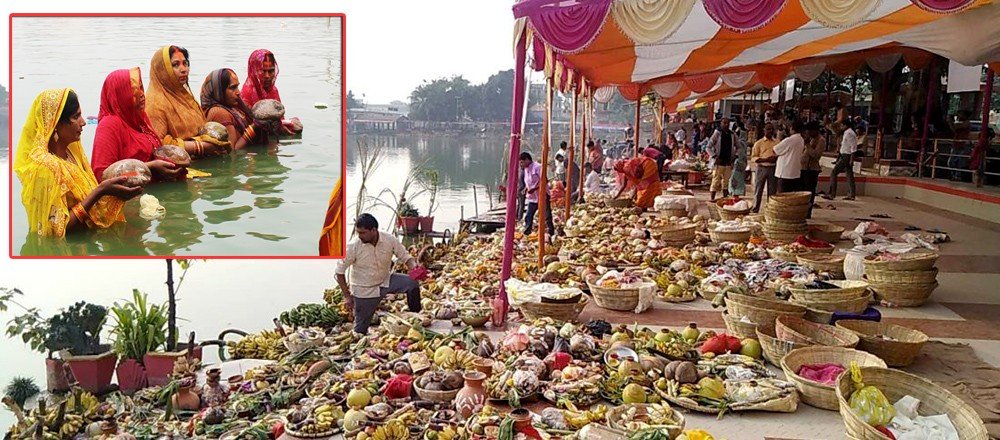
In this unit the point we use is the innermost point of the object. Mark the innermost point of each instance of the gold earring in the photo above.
(55, 137)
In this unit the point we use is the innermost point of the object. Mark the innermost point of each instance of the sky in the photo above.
(392, 45)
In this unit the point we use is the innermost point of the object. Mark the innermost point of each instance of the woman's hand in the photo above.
(212, 146)
(164, 170)
(115, 187)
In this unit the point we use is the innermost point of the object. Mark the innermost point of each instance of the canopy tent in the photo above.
(690, 52)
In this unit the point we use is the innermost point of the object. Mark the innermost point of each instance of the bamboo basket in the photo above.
(558, 311)
(783, 255)
(713, 211)
(781, 237)
(732, 237)
(615, 299)
(904, 295)
(855, 305)
(761, 302)
(908, 261)
(832, 264)
(895, 384)
(788, 214)
(827, 232)
(790, 198)
(790, 328)
(673, 212)
(726, 214)
(436, 396)
(899, 352)
(774, 349)
(677, 233)
(901, 276)
(818, 316)
(619, 203)
(760, 311)
(740, 329)
(815, 393)
(614, 415)
(848, 289)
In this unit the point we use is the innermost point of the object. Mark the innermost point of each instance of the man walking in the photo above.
(720, 148)
(845, 162)
(532, 181)
(764, 160)
(370, 259)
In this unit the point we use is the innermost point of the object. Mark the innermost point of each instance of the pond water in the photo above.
(257, 201)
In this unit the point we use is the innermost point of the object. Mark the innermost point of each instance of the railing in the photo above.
(946, 158)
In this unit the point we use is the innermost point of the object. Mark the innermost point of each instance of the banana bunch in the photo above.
(462, 360)
(356, 375)
(671, 344)
(408, 418)
(264, 345)
(578, 419)
(88, 403)
(447, 433)
(184, 367)
(338, 344)
(324, 418)
(312, 315)
(394, 430)
(72, 423)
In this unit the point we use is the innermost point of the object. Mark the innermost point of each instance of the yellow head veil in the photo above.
(172, 109)
(48, 180)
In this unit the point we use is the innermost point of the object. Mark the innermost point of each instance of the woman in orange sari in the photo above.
(331, 240)
(640, 173)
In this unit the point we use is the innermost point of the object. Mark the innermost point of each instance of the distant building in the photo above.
(390, 117)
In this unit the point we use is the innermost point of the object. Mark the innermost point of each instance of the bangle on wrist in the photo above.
(81, 214)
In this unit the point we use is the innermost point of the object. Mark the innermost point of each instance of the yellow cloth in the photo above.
(51, 185)
(838, 13)
(331, 242)
(172, 109)
(649, 21)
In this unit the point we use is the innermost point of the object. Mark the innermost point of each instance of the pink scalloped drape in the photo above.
(568, 29)
(743, 15)
(942, 6)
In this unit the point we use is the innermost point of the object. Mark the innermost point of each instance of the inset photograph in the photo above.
(210, 136)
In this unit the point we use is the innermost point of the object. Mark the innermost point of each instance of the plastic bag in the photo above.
(868, 402)
(854, 265)
(173, 154)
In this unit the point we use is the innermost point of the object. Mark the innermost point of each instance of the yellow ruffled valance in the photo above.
(839, 13)
(650, 21)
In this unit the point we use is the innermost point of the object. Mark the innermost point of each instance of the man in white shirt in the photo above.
(370, 259)
(593, 183)
(681, 137)
(789, 166)
(845, 162)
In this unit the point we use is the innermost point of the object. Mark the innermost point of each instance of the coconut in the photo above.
(135, 170)
(172, 154)
(214, 130)
(268, 110)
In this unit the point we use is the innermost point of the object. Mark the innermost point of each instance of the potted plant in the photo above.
(76, 331)
(409, 217)
(139, 328)
(34, 331)
(432, 182)
(160, 364)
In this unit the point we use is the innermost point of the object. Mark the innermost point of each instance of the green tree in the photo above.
(440, 100)
(353, 102)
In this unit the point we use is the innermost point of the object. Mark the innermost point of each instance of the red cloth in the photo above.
(560, 360)
(398, 387)
(123, 131)
(822, 373)
(253, 89)
(652, 152)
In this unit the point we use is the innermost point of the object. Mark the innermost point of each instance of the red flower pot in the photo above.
(93, 372)
(426, 224)
(411, 224)
(55, 376)
(131, 376)
(160, 364)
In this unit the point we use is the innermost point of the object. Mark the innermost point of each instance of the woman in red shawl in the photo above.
(222, 103)
(124, 130)
(640, 173)
(262, 73)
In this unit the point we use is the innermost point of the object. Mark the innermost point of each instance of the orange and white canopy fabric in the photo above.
(685, 48)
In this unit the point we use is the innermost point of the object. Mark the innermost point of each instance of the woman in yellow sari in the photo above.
(173, 111)
(642, 174)
(60, 191)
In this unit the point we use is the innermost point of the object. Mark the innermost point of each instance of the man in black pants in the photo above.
(845, 162)
(532, 181)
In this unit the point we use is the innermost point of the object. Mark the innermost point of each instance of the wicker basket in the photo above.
(790, 198)
(713, 211)
(679, 233)
(614, 415)
(436, 396)
(827, 232)
(818, 316)
(788, 214)
(673, 212)
(559, 312)
(726, 214)
(774, 349)
(908, 261)
(732, 237)
(904, 295)
(901, 276)
(853, 305)
(783, 255)
(790, 328)
(831, 264)
(847, 289)
(615, 299)
(739, 328)
(895, 384)
(759, 310)
(815, 393)
(771, 303)
(782, 237)
(899, 352)
(619, 203)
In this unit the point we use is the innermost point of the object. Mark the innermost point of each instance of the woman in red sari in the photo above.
(640, 173)
(222, 103)
(124, 130)
(262, 74)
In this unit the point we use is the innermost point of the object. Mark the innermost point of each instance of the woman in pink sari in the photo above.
(262, 74)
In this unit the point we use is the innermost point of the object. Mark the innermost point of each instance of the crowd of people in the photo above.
(63, 190)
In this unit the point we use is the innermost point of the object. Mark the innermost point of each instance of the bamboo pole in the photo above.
(572, 149)
(638, 110)
(543, 185)
(584, 137)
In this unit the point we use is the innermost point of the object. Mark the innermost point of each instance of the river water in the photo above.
(257, 202)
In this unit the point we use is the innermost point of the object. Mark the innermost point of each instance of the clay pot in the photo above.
(484, 366)
(186, 400)
(214, 393)
(93, 372)
(522, 419)
(234, 382)
(472, 397)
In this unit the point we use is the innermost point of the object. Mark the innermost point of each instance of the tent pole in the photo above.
(977, 160)
(927, 117)
(572, 149)
(583, 137)
(510, 218)
(543, 185)
(638, 110)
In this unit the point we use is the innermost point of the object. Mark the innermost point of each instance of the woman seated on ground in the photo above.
(640, 173)
(262, 74)
(221, 102)
(173, 111)
(59, 191)
(124, 130)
